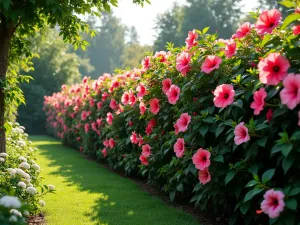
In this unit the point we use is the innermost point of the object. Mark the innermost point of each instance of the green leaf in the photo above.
(287, 148)
(291, 203)
(218, 158)
(253, 169)
(229, 176)
(245, 207)
(172, 195)
(266, 39)
(268, 175)
(294, 191)
(296, 136)
(288, 4)
(287, 163)
(262, 142)
(219, 131)
(6, 4)
(203, 130)
(276, 148)
(180, 187)
(289, 19)
(204, 31)
(251, 183)
(252, 193)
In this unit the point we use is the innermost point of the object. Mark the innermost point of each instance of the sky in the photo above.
(143, 19)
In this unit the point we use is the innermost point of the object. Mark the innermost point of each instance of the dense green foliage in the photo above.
(248, 154)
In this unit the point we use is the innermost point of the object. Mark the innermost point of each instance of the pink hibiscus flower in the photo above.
(154, 105)
(146, 150)
(141, 89)
(273, 69)
(176, 129)
(267, 21)
(106, 143)
(132, 99)
(173, 94)
(104, 152)
(224, 95)
(296, 30)
(243, 30)
(191, 40)
(109, 118)
(259, 101)
(179, 147)
(183, 122)
(167, 83)
(241, 134)
(201, 159)
(92, 102)
(211, 63)
(183, 63)
(134, 138)
(111, 143)
(86, 128)
(230, 49)
(144, 160)
(99, 105)
(204, 176)
(104, 96)
(141, 141)
(142, 107)
(113, 104)
(146, 63)
(273, 203)
(125, 98)
(269, 115)
(290, 94)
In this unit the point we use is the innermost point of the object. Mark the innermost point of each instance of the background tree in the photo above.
(19, 19)
(55, 65)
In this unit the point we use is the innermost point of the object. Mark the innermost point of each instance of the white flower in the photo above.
(42, 203)
(21, 143)
(26, 135)
(31, 190)
(26, 176)
(23, 159)
(10, 202)
(2, 159)
(16, 212)
(26, 213)
(3, 154)
(22, 184)
(20, 171)
(13, 219)
(11, 171)
(29, 185)
(51, 187)
(36, 167)
(24, 165)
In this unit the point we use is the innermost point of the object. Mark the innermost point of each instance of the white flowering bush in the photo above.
(20, 177)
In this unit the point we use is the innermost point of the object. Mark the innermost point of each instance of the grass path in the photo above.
(89, 194)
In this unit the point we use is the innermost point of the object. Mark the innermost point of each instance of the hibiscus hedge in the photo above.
(215, 122)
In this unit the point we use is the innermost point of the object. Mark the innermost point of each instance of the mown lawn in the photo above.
(88, 193)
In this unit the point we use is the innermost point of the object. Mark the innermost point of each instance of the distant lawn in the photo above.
(88, 193)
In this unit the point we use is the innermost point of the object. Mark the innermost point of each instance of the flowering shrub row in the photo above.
(21, 188)
(215, 122)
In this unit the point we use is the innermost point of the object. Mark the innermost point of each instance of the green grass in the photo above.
(89, 194)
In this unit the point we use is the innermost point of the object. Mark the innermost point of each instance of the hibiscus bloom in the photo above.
(111, 143)
(144, 160)
(113, 104)
(179, 147)
(273, 69)
(267, 21)
(106, 143)
(224, 95)
(241, 134)
(99, 105)
(183, 63)
(296, 30)
(146, 150)
(104, 152)
(141, 89)
(84, 115)
(154, 105)
(176, 129)
(269, 115)
(109, 118)
(230, 49)
(91, 102)
(173, 94)
(290, 94)
(183, 122)
(273, 203)
(201, 159)
(132, 99)
(259, 101)
(125, 98)
(134, 138)
(146, 63)
(243, 30)
(191, 40)
(141, 141)
(142, 107)
(204, 176)
(104, 96)
(211, 63)
(167, 83)
(86, 128)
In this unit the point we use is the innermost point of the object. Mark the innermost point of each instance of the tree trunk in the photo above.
(6, 31)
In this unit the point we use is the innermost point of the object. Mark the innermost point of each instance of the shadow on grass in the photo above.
(121, 201)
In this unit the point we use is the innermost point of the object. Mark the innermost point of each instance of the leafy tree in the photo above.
(54, 66)
(20, 19)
